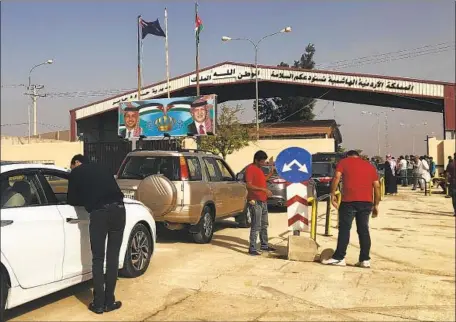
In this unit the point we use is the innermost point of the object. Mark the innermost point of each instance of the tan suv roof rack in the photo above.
(176, 150)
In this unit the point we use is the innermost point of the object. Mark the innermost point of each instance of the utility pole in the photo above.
(34, 95)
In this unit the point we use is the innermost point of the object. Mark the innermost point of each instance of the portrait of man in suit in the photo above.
(202, 123)
(131, 119)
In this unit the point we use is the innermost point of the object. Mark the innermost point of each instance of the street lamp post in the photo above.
(34, 96)
(413, 126)
(378, 114)
(255, 45)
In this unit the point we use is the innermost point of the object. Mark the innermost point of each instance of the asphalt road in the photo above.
(412, 276)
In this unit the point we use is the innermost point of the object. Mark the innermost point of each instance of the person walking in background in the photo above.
(424, 172)
(416, 173)
(390, 176)
(402, 167)
(432, 167)
(451, 178)
(95, 188)
(360, 178)
(257, 198)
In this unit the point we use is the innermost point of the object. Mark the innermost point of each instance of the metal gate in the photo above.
(111, 154)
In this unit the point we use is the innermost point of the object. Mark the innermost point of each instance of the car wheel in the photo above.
(244, 220)
(3, 295)
(139, 252)
(205, 229)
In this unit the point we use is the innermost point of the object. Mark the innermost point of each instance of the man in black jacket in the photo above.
(94, 187)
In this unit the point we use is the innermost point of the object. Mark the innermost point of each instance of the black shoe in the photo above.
(268, 249)
(114, 306)
(96, 309)
(254, 252)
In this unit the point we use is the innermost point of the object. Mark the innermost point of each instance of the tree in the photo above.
(231, 135)
(289, 108)
(340, 148)
(378, 159)
(361, 155)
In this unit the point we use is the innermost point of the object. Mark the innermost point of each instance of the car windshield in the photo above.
(321, 169)
(140, 167)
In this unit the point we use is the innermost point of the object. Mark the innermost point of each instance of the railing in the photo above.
(412, 178)
(313, 202)
(382, 187)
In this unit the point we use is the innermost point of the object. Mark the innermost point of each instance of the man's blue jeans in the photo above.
(360, 211)
(403, 174)
(259, 214)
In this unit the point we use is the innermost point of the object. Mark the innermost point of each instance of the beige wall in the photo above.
(239, 159)
(59, 152)
(440, 150)
(18, 140)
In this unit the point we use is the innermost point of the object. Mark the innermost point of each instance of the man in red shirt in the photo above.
(360, 178)
(257, 198)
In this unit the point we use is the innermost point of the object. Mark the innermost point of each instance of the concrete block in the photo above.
(326, 254)
(302, 249)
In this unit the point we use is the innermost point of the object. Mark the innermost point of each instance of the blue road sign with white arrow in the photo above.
(294, 165)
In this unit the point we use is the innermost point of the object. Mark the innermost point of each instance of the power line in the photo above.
(13, 85)
(341, 64)
(399, 57)
(43, 124)
(425, 48)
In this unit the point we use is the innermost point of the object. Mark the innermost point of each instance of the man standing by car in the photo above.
(360, 177)
(95, 188)
(257, 198)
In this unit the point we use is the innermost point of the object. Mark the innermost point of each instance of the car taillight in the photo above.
(278, 180)
(183, 168)
(324, 179)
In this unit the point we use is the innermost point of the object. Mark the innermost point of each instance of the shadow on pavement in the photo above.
(438, 213)
(232, 243)
(166, 236)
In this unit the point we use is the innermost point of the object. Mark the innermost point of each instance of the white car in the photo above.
(45, 245)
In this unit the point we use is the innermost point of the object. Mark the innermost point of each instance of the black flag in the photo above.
(152, 28)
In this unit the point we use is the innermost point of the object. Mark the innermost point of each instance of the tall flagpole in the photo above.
(197, 52)
(139, 58)
(166, 50)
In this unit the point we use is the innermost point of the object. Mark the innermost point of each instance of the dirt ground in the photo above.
(412, 276)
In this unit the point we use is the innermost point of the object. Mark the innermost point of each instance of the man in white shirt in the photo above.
(403, 170)
(424, 170)
(416, 172)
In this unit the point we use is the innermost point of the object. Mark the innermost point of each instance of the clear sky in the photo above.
(93, 45)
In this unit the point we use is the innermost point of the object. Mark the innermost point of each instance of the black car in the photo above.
(333, 157)
(322, 174)
(278, 187)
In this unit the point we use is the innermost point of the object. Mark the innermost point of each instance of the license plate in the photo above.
(130, 194)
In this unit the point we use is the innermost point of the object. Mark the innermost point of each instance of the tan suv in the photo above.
(185, 189)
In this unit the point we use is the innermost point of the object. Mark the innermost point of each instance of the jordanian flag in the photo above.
(198, 27)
